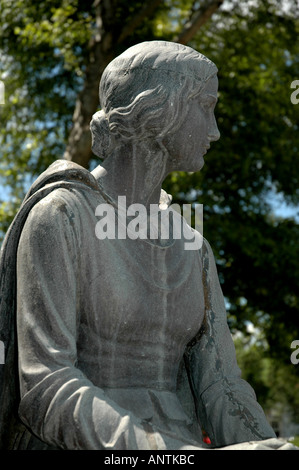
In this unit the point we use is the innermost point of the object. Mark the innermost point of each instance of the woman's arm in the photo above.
(226, 405)
(58, 403)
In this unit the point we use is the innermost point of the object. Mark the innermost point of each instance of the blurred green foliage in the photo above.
(276, 385)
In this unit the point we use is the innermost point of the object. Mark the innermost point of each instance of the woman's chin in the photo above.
(190, 166)
(196, 165)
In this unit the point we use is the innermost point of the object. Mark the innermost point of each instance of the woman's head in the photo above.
(144, 93)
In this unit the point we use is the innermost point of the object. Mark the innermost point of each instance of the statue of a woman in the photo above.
(123, 343)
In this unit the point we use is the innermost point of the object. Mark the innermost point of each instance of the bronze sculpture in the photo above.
(124, 343)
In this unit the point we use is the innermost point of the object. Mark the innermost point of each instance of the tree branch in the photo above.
(200, 17)
(146, 11)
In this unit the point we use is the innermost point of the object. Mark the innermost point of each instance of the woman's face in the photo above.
(188, 145)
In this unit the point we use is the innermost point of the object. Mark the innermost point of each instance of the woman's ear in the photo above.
(100, 134)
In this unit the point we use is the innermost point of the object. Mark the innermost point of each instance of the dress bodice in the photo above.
(146, 305)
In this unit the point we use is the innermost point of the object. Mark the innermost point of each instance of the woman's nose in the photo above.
(213, 131)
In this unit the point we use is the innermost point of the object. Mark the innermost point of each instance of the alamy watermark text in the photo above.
(2, 358)
(138, 222)
(2, 92)
(295, 354)
(295, 94)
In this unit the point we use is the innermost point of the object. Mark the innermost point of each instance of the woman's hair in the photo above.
(144, 91)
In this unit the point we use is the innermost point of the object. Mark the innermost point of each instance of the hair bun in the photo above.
(100, 132)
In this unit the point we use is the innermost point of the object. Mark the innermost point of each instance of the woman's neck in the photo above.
(136, 172)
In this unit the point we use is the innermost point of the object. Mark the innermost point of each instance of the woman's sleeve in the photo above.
(58, 403)
(226, 405)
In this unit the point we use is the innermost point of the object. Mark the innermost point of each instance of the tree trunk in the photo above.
(100, 54)
(79, 143)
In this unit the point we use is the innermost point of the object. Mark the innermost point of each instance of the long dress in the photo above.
(122, 343)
